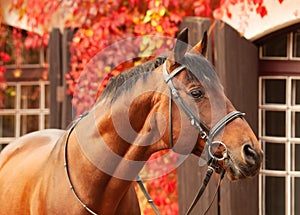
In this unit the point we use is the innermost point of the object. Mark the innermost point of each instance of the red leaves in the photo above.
(244, 7)
(163, 189)
(4, 57)
(261, 10)
(35, 41)
(258, 2)
(37, 12)
(17, 39)
(202, 8)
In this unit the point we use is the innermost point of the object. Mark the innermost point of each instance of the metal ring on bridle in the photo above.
(211, 153)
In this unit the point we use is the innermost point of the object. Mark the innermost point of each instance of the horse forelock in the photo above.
(200, 70)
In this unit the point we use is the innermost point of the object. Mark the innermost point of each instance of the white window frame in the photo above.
(42, 111)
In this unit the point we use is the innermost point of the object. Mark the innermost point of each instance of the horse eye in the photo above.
(197, 93)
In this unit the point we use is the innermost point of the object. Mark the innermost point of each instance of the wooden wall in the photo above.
(236, 62)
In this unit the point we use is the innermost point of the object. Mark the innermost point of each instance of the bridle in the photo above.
(195, 121)
(199, 126)
(205, 134)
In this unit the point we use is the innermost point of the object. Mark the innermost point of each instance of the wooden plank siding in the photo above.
(236, 62)
(59, 59)
(55, 78)
(67, 112)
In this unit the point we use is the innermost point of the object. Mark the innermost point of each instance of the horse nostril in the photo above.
(250, 154)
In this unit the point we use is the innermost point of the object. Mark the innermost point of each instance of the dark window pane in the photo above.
(276, 47)
(296, 44)
(2, 146)
(47, 96)
(30, 97)
(46, 55)
(275, 156)
(10, 97)
(29, 123)
(31, 56)
(275, 123)
(47, 121)
(275, 91)
(275, 196)
(7, 126)
(296, 124)
(296, 97)
(297, 157)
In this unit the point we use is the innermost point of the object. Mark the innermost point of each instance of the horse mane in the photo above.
(130, 76)
(200, 70)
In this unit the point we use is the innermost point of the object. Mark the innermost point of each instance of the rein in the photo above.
(199, 126)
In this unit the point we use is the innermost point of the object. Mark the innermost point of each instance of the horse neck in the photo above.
(113, 142)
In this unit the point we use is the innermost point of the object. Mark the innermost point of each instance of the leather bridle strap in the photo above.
(174, 93)
(146, 194)
(170, 121)
(222, 123)
(216, 129)
(210, 171)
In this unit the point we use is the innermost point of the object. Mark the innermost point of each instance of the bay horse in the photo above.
(173, 102)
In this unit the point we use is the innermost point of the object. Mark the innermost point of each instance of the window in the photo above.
(279, 134)
(26, 109)
(282, 47)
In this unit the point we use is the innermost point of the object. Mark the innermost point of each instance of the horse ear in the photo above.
(201, 47)
(181, 45)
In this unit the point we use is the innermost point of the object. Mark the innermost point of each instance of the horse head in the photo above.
(203, 115)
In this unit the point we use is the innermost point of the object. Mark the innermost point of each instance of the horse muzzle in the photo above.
(245, 167)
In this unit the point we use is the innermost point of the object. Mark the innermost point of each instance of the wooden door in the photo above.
(236, 62)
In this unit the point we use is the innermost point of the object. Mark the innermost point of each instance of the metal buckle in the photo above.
(203, 135)
(217, 144)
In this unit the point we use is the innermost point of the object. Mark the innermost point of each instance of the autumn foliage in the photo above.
(101, 23)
